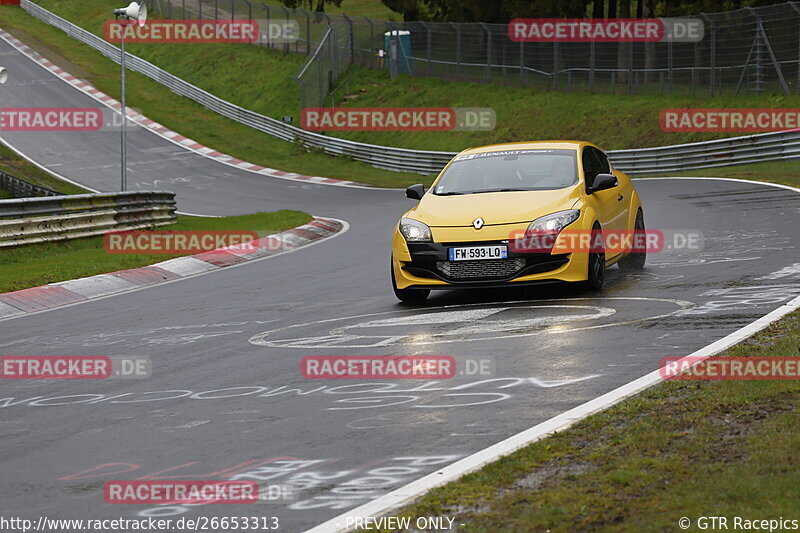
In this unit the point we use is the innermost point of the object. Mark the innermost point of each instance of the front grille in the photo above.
(487, 269)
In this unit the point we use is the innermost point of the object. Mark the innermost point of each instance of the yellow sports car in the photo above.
(489, 218)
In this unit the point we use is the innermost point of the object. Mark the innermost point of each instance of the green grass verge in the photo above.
(189, 118)
(38, 264)
(680, 449)
(20, 168)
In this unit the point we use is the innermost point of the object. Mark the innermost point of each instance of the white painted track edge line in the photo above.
(345, 227)
(411, 491)
(739, 180)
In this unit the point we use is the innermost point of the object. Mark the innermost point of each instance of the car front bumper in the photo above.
(426, 265)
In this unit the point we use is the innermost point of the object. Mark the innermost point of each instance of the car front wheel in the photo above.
(408, 295)
(638, 256)
(596, 275)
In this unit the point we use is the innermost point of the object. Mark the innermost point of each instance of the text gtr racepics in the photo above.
(515, 214)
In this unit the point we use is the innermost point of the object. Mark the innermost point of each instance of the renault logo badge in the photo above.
(477, 223)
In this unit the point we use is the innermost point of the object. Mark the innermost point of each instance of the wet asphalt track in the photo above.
(221, 406)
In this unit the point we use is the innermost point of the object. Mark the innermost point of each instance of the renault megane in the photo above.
(475, 225)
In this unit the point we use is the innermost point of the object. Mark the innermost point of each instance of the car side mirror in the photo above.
(415, 192)
(603, 182)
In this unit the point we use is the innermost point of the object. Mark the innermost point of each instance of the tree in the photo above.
(493, 11)
(309, 5)
(597, 9)
(408, 8)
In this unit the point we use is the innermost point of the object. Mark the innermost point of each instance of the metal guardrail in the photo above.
(19, 188)
(723, 152)
(56, 218)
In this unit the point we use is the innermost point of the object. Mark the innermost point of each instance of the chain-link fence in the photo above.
(747, 51)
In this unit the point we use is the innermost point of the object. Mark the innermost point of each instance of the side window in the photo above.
(591, 166)
(605, 168)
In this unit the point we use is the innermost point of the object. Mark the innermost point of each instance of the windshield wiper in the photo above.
(449, 193)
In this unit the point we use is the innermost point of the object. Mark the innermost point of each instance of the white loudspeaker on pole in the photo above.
(3, 75)
(137, 14)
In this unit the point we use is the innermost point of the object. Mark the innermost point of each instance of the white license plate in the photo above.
(473, 253)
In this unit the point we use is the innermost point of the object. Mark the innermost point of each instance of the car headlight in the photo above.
(554, 222)
(415, 231)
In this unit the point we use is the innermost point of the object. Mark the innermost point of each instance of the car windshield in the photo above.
(508, 170)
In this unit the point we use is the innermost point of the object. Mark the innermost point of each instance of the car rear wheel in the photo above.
(596, 275)
(637, 258)
(408, 295)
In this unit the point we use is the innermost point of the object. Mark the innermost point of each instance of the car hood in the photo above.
(493, 207)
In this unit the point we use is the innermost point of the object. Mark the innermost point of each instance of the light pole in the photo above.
(136, 14)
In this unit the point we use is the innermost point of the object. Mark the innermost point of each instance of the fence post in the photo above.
(523, 74)
(308, 32)
(351, 36)
(427, 47)
(267, 8)
(216, 10)
(630, 68)
(200, 10)
(285, 41)
(712, 59)
(296, 41)
(458, 50)
(797, 9)
(669, 59)
(488, 52)
(333, 74)
(320, 98)
(591, 66)
(372, 50)
(555, 65)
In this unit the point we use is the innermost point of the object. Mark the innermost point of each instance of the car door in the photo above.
(620, 196)
(610, 204)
